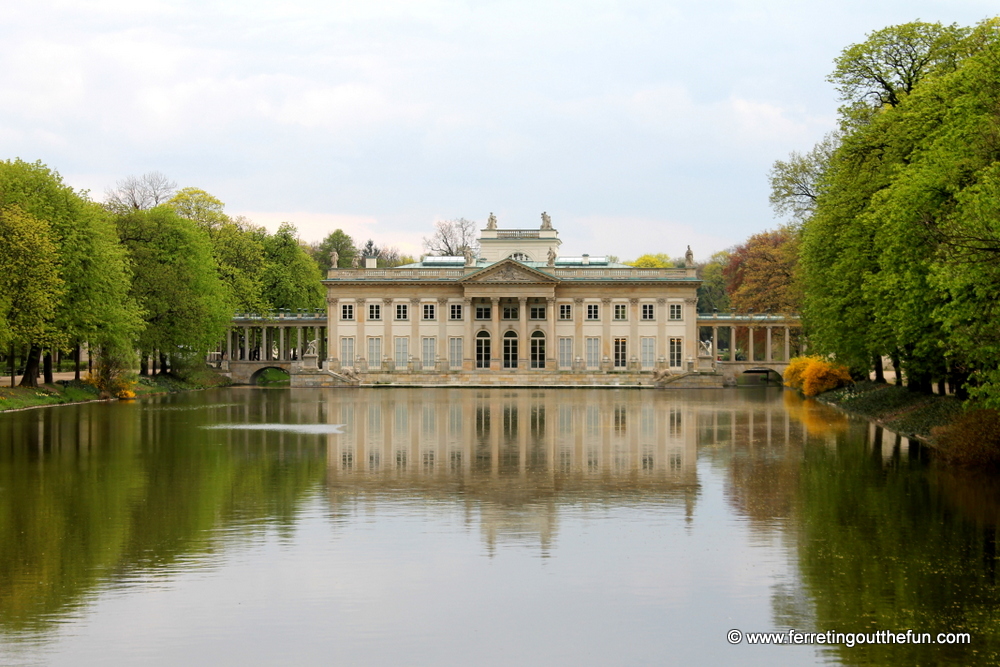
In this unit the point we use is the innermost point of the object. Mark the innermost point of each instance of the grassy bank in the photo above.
(19, 398)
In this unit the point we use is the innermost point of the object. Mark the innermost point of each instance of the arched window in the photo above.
(520, 256)
(510, 349)
(537, 350)
(483, 349)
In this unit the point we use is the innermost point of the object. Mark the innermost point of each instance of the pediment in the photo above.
(509, 271)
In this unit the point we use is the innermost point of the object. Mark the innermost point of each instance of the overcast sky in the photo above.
(638, 126)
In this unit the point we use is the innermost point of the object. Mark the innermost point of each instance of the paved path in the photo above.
(69, 375)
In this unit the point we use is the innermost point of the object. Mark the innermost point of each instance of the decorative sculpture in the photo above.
(546, 221)
(552, 258)
(491, 223)
(311, 348)
(468, 256)
(334, 259)
(689, 258)
(355, 260)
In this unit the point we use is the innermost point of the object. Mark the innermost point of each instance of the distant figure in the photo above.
(552, 258)
(689, 258)
(546, 221)
(334, 259)
(468, 256)
(491, 223)
(355, 260)
(311, 348)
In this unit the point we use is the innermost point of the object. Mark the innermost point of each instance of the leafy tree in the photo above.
(453, 238)
(657, 261)
(795, 183)
(291, 278)
(338, 241)
(138, 193)
(187, 307)
(200, 207)
(712, 291)
(761, 274)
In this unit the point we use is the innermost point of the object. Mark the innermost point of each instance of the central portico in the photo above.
(519, 307)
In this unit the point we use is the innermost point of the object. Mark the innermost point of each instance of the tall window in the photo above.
(429, 313)
(456, 311)
(647, 353)
(510, 350)
(402, 311)
(676, 312)
(429, 349)
(347, 351)
(565, 311)
(593, 352)
(593, 311)
(621, 353)
(482, 350)
(374, 311)
(648, 312)
(566, 352)
(537, 350)
(347, 311)
(455, 352)
(402, 351)
(621, 311)
(676, 351)
(374, 353)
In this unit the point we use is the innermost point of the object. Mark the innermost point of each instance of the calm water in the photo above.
(486, 527)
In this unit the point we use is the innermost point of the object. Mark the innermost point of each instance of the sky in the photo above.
(639, 126)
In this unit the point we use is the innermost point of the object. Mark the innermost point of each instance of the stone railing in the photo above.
(749, 319)
(517, 234)
(558, 272)
(283, 314)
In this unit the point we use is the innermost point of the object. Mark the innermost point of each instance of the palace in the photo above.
(518, 308)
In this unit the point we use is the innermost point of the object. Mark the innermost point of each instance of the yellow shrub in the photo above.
(793, 373)
(820, 376)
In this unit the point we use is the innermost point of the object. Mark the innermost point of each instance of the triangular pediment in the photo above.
(509, 271)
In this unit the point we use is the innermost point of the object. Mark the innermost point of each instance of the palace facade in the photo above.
(519, 307)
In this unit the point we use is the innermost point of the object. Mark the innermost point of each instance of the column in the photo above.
(732, 343)
(749, 343)
(333, 328)
(522, 334)
(787, 346)
(298, 342)
(634, 349)
(229, 344)
(767, 345)
(387, 315)
(496, 345)
(715, 344)
(442, 346)
(661, 333)
(579, 349)
(469, 344)
(282, 330)
(416, 353)
(606, 334)
(360, 346)
(246, 343)
(551, 347)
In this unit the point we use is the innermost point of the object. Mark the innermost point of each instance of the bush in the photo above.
(814, 375)
(972, 440)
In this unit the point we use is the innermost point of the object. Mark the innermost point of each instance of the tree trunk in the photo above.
(897, 370)
(76, 359)
(13, 363)
(144, 365)
(879, 371)
(941, 389)
(30, 377)
(163, 364)
(958, 379)
(47, 367)
(90, 359)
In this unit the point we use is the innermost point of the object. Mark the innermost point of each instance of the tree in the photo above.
(200, 207)
(291, 278)
(761, 275)
(336, 241)
(452, 238)
(712, 292)
(795, 183)
(138, 193)
(888, 65)
(657, 261)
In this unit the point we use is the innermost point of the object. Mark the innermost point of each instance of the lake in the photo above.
(401, 526)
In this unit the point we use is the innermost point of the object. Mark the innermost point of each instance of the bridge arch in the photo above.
(260, 371)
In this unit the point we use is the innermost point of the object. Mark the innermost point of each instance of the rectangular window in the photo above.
(537, 313)
(565, 311)
(647, 311)
(429, 313)
(456, 311)
(621, 353)
(455, 352)
(593, 352)
(347, 352)
(483, 312)
(429, 351)
(647, 353)
(374, 353)
(510, 312)
(402, 352)
(621, 312)
(374, 311)
(593, 311)
(676, 350)
(347, 311)
(675, 311)
(566, 352)
(402, 311)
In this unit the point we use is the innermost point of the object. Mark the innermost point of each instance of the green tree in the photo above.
(657, 261)
(795, 182)
(712, 291)
(291, 278)
(336, 241)
(199, 206)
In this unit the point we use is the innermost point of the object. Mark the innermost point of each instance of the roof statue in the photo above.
(551, 257)
(334, 259)
(546, 221)
(689, 258)
(492, 222)
(468, 256)
(355, 260)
